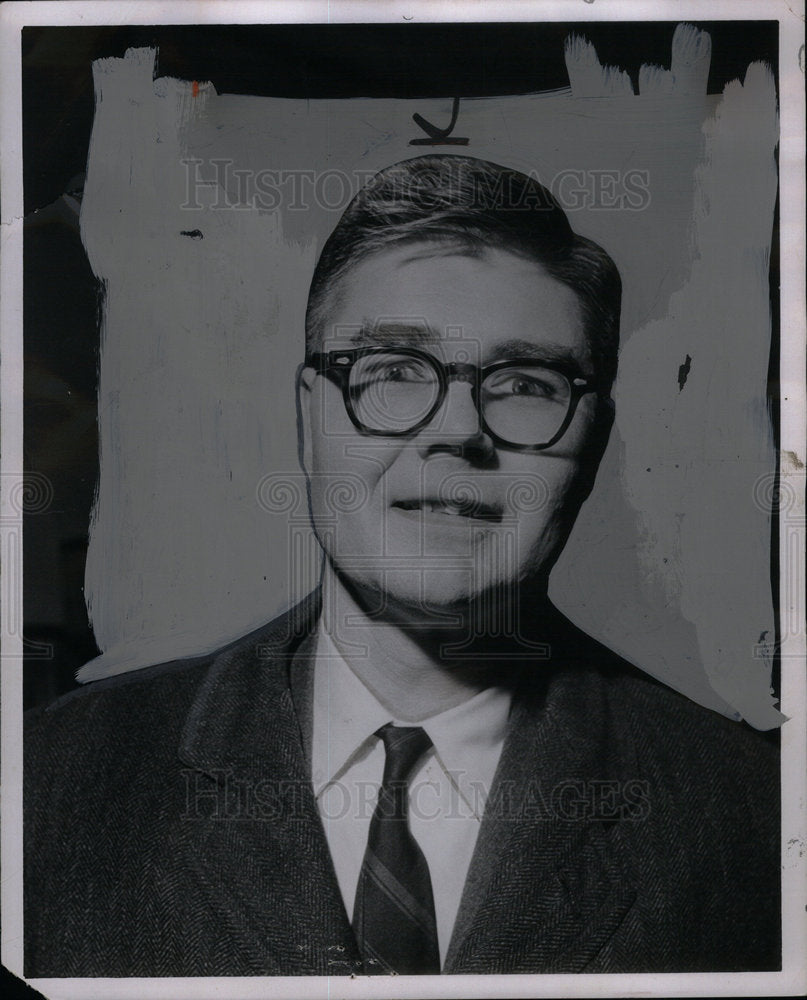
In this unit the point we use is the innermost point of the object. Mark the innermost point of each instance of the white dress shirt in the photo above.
(447, 790)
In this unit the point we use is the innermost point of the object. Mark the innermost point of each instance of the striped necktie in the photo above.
(393, 916)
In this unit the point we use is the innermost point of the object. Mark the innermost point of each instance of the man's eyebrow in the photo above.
(388, 332)
(546, 351)
(402, 333)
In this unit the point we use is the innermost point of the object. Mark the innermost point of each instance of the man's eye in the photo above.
(398, 372)
(522, 385)
(525, 387)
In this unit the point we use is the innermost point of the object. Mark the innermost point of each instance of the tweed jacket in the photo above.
(171, 828)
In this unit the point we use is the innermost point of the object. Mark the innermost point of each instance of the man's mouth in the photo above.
(475, 510)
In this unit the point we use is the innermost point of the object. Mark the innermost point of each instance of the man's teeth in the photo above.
(437, 507)
(449, 508)
(445, 508)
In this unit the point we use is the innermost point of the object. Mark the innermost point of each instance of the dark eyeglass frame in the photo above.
(336, 366)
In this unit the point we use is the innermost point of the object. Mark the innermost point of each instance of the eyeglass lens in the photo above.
(522, 404)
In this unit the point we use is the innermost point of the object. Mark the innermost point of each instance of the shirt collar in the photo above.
(467, 738)
(346, 714)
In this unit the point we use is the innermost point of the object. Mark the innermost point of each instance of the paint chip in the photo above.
(683, 371)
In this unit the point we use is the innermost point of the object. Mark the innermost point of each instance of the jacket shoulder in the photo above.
(665, 727)
(131, 711)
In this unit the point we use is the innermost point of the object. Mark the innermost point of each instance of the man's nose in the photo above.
(456, 427)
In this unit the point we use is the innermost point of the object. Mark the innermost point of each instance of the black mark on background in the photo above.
(683, 371)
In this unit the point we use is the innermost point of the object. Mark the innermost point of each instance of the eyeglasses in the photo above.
(396, 391)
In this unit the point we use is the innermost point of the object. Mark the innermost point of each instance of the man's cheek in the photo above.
(346, 518)
(535, 530)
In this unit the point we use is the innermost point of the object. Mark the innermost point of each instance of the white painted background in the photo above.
(669, 563)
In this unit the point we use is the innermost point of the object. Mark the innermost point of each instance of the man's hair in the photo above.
(461, 204)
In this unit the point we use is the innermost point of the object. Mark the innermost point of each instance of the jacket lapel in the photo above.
(255, 839)
(547, 888)
(548, 885)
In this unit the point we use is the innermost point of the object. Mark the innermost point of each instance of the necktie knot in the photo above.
(404, 746)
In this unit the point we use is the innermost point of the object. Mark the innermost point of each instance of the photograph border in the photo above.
(793, 349)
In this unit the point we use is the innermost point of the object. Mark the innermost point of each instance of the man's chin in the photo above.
(432, 598)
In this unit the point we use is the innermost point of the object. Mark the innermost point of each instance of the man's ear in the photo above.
(596, 445)
(304, 387)
(606, 412)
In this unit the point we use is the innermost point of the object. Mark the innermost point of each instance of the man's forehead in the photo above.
(484, 292)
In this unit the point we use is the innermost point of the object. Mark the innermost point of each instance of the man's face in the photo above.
(382, 506)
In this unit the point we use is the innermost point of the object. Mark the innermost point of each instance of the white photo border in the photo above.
(792, 980)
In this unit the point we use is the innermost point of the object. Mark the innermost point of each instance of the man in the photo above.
(424, 767)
